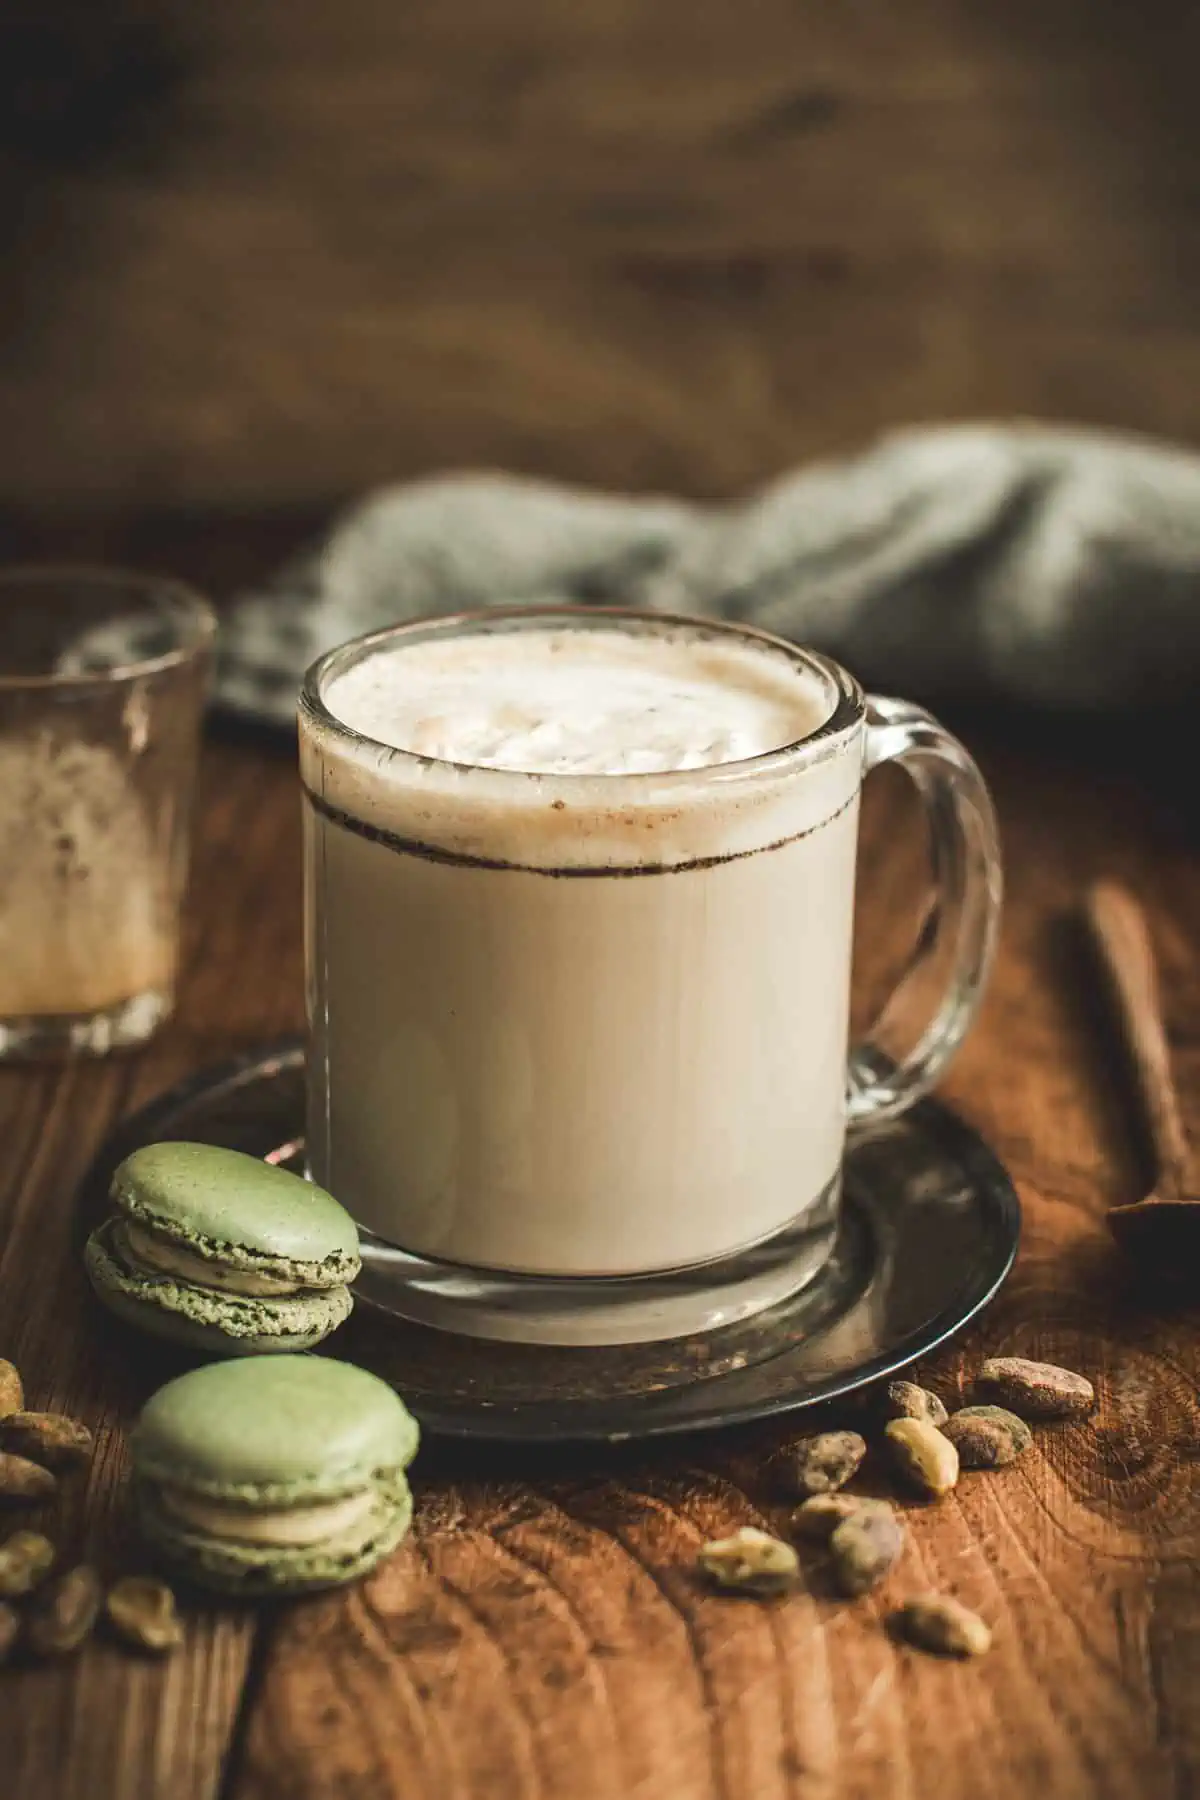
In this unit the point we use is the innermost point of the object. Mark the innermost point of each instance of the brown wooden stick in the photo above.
(1122, 939)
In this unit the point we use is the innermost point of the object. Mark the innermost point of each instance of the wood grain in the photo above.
(544, 1634)
(266, 254)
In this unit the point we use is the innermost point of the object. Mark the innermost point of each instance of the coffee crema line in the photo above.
(462, 859)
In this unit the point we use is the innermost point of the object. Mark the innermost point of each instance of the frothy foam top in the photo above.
(602, 701)
(522, 734)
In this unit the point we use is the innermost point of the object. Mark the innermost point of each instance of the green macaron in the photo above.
(221, 1252)
(273, 1475)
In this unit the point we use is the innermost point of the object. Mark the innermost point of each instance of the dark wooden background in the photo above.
(259, 253)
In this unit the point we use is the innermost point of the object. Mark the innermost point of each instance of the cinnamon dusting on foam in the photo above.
(643, 743)
(580, 702)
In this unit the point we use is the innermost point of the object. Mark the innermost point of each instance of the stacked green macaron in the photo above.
(274, 1475)
(219, 1251)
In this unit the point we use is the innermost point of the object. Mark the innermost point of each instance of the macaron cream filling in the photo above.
(144, 1249)
(293, 1527)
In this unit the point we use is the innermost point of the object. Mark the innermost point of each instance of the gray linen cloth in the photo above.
(1017, 562)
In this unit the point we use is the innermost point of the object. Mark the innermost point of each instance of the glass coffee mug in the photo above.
(579, 1058)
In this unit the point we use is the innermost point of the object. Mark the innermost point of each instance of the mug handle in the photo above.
(929, 1013)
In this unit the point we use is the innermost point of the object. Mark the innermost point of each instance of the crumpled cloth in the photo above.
(1019, 563)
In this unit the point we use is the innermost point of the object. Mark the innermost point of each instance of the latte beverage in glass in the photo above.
(103, 678)
(580, 895)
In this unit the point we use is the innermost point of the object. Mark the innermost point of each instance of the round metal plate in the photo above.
(930, 1231)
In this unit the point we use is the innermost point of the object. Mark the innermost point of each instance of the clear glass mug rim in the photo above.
(197, 633)
(849, 709)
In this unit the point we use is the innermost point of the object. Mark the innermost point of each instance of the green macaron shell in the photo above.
(237, 1210)
(259, 1570)
(275, 1430)
(203, 1319)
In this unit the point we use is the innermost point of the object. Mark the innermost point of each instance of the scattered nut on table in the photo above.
(141, 1611)
(820, 1517)
(750, 1561)
(905, 1400)
(24, 1483)
(12, 1392)
(987, 1437)
(817, 1465)
(51, 1439)
(1035, 1390)
(26, 1558)
(64, 1613)
(936, 1622)
(864, 1547)
(925, 1458)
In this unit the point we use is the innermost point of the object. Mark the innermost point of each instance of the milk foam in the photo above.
(633, 731)
(581, 702)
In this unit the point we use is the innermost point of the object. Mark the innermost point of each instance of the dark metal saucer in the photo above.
(930, 1229)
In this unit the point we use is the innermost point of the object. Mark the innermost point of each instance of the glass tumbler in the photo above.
(103, 677)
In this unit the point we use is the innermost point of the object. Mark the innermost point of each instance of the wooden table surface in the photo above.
(543, 1636)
